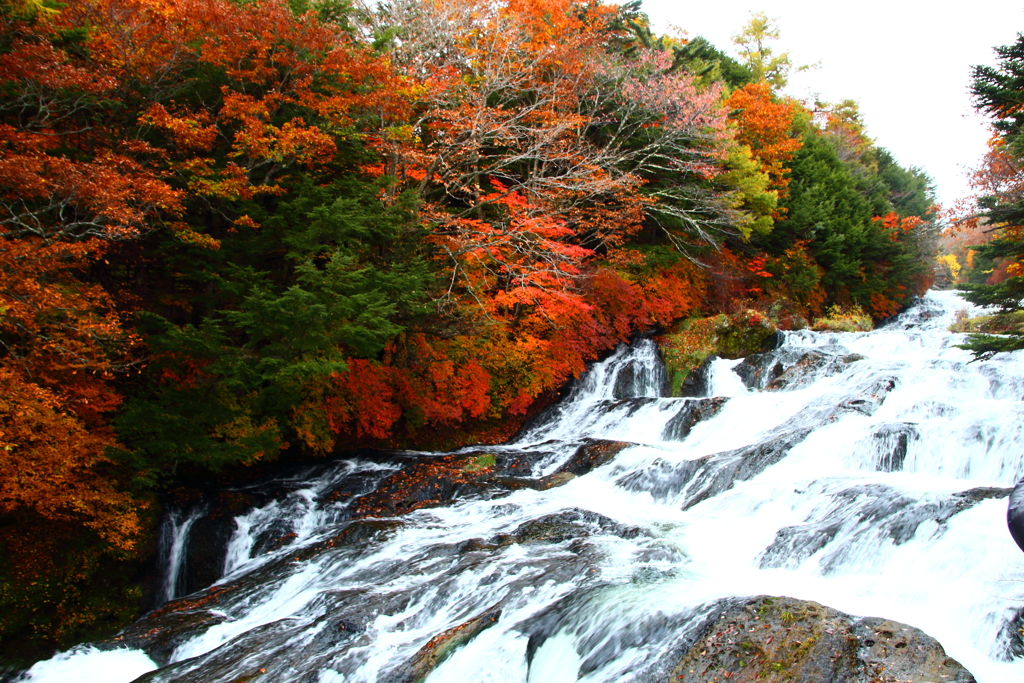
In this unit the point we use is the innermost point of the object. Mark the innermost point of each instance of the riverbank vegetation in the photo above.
(238, 231)
(984, 248)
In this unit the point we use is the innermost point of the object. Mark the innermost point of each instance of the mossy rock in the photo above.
(696, 341)
(785, 640)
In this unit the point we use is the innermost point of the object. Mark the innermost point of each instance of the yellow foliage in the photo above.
(952, 266)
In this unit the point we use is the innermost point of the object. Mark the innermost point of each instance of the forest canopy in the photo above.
(237, 231)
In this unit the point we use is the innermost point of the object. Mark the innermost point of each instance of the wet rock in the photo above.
(357, 484)
(897, 652)
(1011, 636)
(679, 427)
(725, 469)
(775, 340)
(206, 550)
(808, 367)
(276, 536)
(335, 634)
(567, 525)
(575, 613)
(869, 398)
(705, 477)
(863, 513)
(11, 674)
(625, 381)
(160, 632)
(592, 454)
(891, 441)
(792, 367)
(797, 373)
(759, 369)
(968, 498)
(793, 545)
(772, 640)
(544, 483)
(362, 531)
(698, 382)
(635, 380)
(442, 645)
(263, 653)
(428, 482)
(159, 636)
(439, 480)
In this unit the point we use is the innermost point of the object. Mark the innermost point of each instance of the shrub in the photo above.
(844, 319)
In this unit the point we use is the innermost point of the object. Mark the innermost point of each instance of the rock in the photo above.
(791, 368)
(568, 525)
(759, 369)
(1011, 636)
(679, 427)
(625, 381)
(206, 549)
(797, 373)
(865, 511)
(11, 674)
(634, 379)
(592, 454)
(160, 632)
(443, 644)
(897, 652)
(891, 441)
(776, 640)
(969, 497)
(435, 481)
(698, 382)
(158, 636)
(427, 482)
(809, 366)
(710, 475)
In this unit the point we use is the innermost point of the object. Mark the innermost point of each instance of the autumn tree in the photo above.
(998, 92)
(765, 125)
(754, 46)
(71, 190)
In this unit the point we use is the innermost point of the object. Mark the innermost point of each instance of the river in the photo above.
(835, 472)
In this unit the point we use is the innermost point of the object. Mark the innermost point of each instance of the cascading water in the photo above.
(173, 540)
(864, 471)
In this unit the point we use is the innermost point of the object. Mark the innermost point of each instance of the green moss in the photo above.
(745, 333)
(692, 341)
(686, 347)
(480, 463)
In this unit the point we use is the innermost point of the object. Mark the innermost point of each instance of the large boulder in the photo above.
(698, 381)
(776, 640)
(692, 412)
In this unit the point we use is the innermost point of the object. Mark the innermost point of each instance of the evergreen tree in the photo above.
(999, 92)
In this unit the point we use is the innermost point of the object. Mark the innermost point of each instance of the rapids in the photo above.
(867, 472)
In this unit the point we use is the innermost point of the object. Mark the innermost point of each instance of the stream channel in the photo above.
(867, 472)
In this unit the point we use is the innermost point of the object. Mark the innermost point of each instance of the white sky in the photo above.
(906, 62)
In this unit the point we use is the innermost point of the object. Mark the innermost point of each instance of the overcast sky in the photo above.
(907, 63)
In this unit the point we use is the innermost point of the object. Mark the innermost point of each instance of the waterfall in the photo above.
(865, 471)
(173, 541)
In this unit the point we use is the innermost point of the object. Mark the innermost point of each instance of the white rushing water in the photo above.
(173, 539)
(842, 483)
